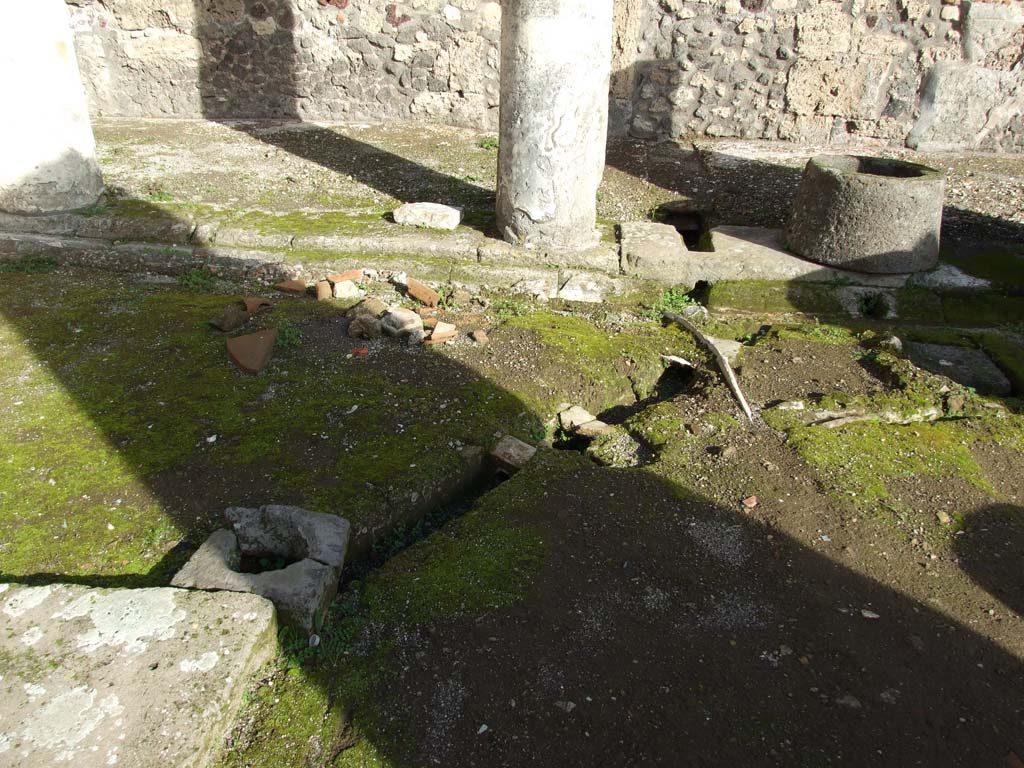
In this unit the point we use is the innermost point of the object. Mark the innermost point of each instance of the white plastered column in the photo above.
(47, 149)
(555, 70)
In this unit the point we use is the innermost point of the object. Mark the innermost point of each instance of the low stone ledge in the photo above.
(134, 677)
(241, 263)
(459, 245)
(758, 253)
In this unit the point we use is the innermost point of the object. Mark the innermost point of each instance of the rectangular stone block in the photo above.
(133, 677)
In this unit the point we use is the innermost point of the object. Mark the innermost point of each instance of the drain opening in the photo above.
(444, 509)
(265, 563)
(691, 224)
(674, 381)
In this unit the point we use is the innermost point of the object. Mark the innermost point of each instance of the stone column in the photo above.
(555, 67)
(47, 150)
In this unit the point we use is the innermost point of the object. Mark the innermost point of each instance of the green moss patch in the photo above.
(616, 367)
(858, 461)
(977, 309)
(127, 429)
(1002, 265)
(763, 297)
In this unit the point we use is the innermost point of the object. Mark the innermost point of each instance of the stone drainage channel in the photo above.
(297, 559)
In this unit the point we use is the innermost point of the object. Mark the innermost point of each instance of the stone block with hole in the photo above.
(651, 250)
(308, 549)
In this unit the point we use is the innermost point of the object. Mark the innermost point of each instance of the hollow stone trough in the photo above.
(314, 545)
(868, 214)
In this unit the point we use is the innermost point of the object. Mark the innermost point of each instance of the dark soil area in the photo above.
(669, 631)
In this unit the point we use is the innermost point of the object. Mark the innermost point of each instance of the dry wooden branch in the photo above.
(723, 364)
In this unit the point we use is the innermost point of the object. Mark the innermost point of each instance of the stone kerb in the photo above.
(868, 214)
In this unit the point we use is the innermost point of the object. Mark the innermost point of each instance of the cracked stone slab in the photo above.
(137, 677)
(588, 288)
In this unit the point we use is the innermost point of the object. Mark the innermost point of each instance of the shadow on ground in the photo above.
(248, 78)
(581, 613)
(992, 552)
(577, 615)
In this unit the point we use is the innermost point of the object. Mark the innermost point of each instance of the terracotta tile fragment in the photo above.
(443, 331)
(323, 290)
(429, 323)
(292, 286)
(480, 336)
(750, 502)
(426, 312)
(422, 293)
(355, 275)
(360, 351)
(254, 304)
(252, 352)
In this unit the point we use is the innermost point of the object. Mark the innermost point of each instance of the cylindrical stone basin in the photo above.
(868, 214)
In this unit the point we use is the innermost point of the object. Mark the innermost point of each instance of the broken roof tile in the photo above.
(252, 352)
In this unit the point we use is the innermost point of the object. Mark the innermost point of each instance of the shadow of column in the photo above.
(250, 79)
(248, 59)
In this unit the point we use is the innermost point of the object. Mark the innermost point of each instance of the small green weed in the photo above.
(508, 307)
(97, 209)
(289, 335)
(199, 279)
(29, 265)
(672, 300)
(873, 305)
(157, 194)
(489, 143)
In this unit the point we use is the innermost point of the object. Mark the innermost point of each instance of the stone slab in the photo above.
(430, 215)
(651, 250)
(757, 253)
(142, 677)
(301, 591)
(293, 532)
(964, 365)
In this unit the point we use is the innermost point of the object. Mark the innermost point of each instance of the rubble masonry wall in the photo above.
(930, 73)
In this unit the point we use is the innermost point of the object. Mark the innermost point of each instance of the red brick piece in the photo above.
(251, 352)
(444, 331)
(480, 336)
(355, 275)
(323, 291)
(429, 323)
(292, 286)
(424, 294)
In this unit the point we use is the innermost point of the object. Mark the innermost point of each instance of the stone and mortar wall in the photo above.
(310, 59)
(930, 73)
